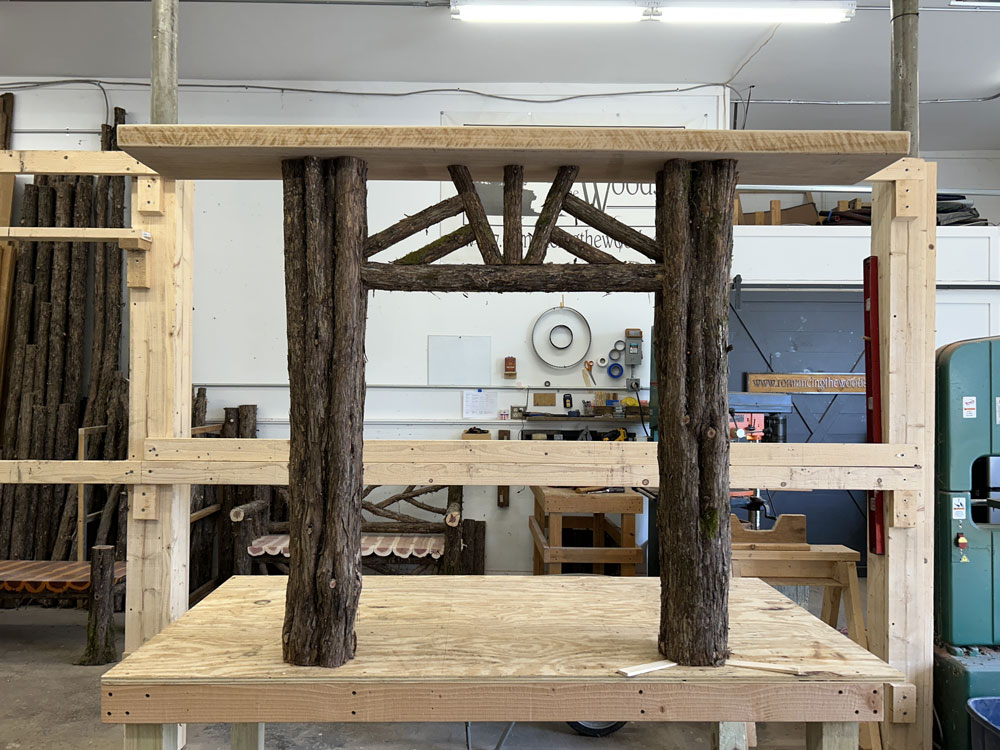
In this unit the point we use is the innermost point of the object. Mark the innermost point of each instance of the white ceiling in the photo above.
(287, 41)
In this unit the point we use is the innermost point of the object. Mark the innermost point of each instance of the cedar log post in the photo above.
(451, 561)
(691, 337)
(325, 232)
(100, 633)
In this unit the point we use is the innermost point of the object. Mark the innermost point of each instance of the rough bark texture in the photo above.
(550, 214)
(100, 633)
(564, 277)
(228, 499)
(473, 547)
(325, 230)
(691, 329)
(439, 248)
(582, 250)
(412, 224)
(43, 250)
(20, 370)
(250, 521)
(451, 560)
(59, 297)
(77, 313)
(513, 225)
(202, 536)
(583, 211)
(476, 214)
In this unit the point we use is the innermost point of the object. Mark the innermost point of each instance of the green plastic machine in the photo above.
(967, 525)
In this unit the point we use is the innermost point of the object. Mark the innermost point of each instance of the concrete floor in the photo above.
(49, 703)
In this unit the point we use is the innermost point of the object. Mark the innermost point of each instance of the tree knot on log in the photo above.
(333, 583)
(686, 419)
(711, 433)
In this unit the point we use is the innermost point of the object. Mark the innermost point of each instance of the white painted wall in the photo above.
(239, 311)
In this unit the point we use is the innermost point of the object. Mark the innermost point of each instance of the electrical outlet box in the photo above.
(633, 346)
(632, 384)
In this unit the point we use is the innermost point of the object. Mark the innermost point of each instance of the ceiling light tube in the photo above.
(550, 11)
(669, 11)
(756, 11)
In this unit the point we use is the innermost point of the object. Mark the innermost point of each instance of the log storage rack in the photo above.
(328, 167)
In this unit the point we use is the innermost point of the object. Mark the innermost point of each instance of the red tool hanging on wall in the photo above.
(873, 398)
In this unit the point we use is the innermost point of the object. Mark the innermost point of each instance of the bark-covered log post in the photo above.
(325, 230)
(100, 633)
(451, 561)
(691, 338)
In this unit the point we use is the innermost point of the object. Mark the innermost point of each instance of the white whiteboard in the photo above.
(459, 360)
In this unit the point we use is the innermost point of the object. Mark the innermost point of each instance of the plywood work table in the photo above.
(499, 648)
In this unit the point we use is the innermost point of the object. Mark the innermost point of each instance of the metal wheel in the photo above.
(596, 728)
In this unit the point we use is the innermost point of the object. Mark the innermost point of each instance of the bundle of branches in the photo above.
(45, 403)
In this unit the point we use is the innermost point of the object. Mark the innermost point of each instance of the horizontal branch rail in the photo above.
(550, 277)
(111, 163)
(788, 466)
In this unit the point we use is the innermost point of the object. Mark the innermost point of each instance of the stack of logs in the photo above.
(213, 505)
(45, 401)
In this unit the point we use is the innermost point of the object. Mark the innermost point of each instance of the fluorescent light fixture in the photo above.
(976, 3)
(757, 11)
(669, 11)
(549, 11)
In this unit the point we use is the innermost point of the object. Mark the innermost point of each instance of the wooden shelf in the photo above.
(567, 418)
(255, 152)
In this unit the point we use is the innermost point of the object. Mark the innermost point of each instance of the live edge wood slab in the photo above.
(502, 648)
(255, 152)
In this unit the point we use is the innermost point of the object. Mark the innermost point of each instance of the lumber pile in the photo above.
(45, 402)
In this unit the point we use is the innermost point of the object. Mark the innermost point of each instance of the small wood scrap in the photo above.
(766, 666)
(653, 666)
(656, 666)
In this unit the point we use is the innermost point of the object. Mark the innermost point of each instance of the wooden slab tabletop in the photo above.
(452, 646)
(255, 152)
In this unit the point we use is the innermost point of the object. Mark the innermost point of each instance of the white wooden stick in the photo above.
(765, 667)
(646, 668)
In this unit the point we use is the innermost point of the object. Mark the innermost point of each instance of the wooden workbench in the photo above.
(502, 648)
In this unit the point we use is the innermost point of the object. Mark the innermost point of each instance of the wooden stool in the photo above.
(782, 557)
(557, 508)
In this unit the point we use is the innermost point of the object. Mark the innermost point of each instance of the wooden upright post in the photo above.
(325, 231)
(694, 219)
(156, 588)
(901, 582)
